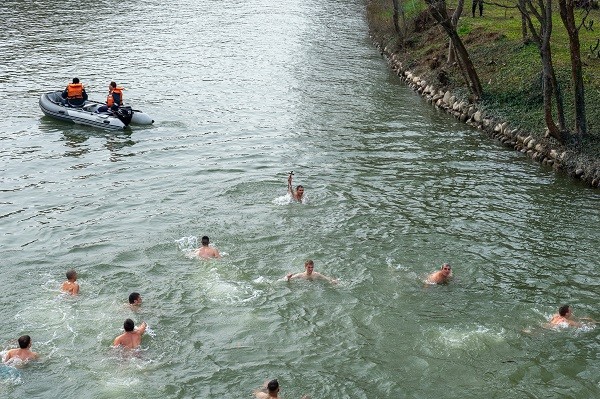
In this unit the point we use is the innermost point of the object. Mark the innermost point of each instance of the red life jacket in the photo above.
(110, 100)
(74, 90)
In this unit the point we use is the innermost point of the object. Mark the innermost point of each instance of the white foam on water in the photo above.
(186, 244)
(288, 199)
(469, 338)
(9, 374)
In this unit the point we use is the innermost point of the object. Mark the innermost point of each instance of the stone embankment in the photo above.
(539, 150)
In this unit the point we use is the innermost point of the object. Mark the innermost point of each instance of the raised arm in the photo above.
(142, 328)
(290, 189)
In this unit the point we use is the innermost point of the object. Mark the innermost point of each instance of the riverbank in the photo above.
(511, 108)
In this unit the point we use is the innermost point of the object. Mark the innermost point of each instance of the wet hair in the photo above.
(113, 84)
(205, 240)
(446, 264)
(563, 310)
(129, 325)
(75, 80)
(71, 274)
(299, 186)
(309, 262)
(273, 385)
(24, 341)
(133, 297)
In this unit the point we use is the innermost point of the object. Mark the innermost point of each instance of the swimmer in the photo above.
(23, 352)
(298, 194)
(442, 276)
(132, 337)
(135, 300)
(310, 274)
(70, 286)
(207, 252)
(564, 317)
(270, 390)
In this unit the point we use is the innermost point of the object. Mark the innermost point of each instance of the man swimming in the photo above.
(135, 300)
(309, 274)
(206, 251)
(24, 352)
(132, 337)
(564, 317)
(70, 286)
(442, 276)
(298, 193)
(269, 391)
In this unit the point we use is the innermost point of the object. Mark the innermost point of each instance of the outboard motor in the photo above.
(124, 114)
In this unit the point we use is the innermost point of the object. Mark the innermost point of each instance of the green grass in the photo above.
(508, 69)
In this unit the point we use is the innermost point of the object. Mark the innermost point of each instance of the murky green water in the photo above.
(243, 93)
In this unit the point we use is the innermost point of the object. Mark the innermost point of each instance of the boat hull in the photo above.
(51, 105)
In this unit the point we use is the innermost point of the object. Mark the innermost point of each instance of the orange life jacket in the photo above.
(110, 100)
(74, 90)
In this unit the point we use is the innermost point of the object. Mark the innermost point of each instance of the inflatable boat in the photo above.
(52, 104)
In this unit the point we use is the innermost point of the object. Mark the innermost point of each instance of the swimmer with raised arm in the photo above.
(442, 276)
(298, 193)
(309, 274)
(70, 286)
(132, 337)
(23, 353)
(205, 251)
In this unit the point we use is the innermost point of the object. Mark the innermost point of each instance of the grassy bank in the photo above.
(509, 70)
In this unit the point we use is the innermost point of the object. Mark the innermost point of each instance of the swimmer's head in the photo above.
(205, 240)
(24, 341)
(564, 310)
(446, 269)
(300, 190)
(134, 298)
(71, 275)
(273, 386)
(309, 265)
(128, 325)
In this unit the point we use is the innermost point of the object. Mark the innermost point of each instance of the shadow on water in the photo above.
(76, 136)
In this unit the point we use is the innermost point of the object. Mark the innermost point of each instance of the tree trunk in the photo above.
(438, 10)
(549, 83)
(523, 21)
(395, 18)
(568, 18)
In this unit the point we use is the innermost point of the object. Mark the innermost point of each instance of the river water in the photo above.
(242, 93)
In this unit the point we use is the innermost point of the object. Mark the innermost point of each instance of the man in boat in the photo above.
(132, 337)
(310, 274)
(114, 100)
(442, 276)
(24, 352)
(75, 94)
(70, 286)
(298, 193)
(206, 251)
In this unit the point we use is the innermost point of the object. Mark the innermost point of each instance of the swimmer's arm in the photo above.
(323, 277)
(290, 188)
(217, 254)
(142, 328)
(8, 356)
(75, 289)
(292, 276)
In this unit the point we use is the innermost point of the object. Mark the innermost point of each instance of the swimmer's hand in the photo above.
(289, 276)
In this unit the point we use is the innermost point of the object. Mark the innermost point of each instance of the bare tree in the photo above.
(566, 14)
(439, 11)
(541, 36)
(399, 20)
